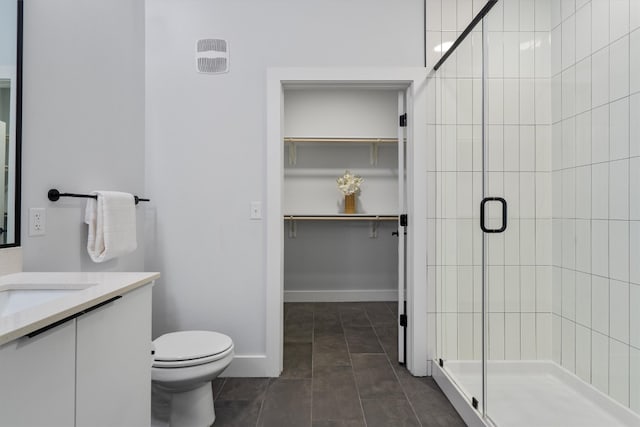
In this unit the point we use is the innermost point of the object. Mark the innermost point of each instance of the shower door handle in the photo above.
(503, 202)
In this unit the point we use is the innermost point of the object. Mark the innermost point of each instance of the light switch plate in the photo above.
(256, 210)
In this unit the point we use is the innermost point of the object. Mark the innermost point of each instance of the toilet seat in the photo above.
(190, 348)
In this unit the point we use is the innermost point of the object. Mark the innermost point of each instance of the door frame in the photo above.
(401, 78)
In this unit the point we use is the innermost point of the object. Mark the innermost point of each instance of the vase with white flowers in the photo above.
(349, 184)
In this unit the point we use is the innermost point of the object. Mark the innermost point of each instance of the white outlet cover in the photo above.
(37, 221)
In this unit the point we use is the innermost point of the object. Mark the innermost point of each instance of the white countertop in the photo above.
(94, 289)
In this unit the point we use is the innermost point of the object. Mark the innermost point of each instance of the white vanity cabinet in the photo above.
(37, 379)
(92, 370)
(113, 363)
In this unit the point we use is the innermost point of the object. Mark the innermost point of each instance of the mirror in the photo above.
(10, 120)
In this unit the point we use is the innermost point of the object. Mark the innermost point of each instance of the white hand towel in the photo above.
(112, 225)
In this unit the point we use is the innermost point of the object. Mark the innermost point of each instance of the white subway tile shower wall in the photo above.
(566, 77)
(597, 322)
(520, 169)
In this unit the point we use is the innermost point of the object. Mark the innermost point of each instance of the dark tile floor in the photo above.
(340, 370)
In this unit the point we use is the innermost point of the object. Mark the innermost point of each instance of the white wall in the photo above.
(596, 202)
(341, 112)
(83, 121)
(206, 140)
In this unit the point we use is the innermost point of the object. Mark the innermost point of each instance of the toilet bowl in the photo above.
(184, 364)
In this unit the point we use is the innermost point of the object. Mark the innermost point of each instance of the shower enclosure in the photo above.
(536, 221)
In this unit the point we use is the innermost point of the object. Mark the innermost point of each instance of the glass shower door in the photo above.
(458, 129)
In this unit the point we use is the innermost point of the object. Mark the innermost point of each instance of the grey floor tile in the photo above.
(338, 423)
(389, 412)
(393, 306)
(216, 386)
(326, 316)
(298, 308)
(434, 410)
(326, 307)
(299, 315)
(362, 340)
(375, 378)
(411, 384)
(298, 331)
(330, 351)
(376, 306)
(345, 307)
(388, 337)
(354, 318)
(287, 404)
(297, 360)
(244, 389)
(417, 385)
(335, 396)
(327, 323)
(328, 330)
(316, 349)
(429, 402)
(379, 314)
(237, 413)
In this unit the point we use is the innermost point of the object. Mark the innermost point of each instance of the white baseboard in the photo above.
(341, 295)
(251, 366)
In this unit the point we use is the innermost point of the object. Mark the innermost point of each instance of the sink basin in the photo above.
(22, 297)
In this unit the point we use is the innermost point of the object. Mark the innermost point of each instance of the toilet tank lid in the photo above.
(185, 345)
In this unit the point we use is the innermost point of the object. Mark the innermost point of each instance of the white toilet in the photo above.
(184, 365)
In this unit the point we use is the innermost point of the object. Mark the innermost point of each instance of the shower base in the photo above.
(529, 394)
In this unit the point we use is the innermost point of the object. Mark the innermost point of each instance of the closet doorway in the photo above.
(321, 123)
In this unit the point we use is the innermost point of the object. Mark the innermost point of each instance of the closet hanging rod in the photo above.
(342, 140)
(54, 195)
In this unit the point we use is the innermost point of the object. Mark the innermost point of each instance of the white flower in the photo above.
(349, 183)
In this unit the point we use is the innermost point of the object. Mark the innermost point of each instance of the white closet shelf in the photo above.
(374, 221)
(340, 140)
(341, 217)
(336, 172)
(374, 142)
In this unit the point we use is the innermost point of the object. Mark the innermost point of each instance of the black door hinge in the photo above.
(403, 120)
(474, 402)
(404, 220)
(403, 320)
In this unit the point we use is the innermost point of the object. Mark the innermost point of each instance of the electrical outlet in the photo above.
(37, 221)
(256, 210)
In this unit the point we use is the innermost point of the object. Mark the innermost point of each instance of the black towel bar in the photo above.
(54, 195)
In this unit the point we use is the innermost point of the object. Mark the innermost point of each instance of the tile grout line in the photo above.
(630, 311)
(264, 397)
(353, 373)
(262, 404)
(217, 395)
(395, 374)
(313, 339)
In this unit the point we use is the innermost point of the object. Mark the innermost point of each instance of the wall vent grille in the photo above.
(212, 56)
